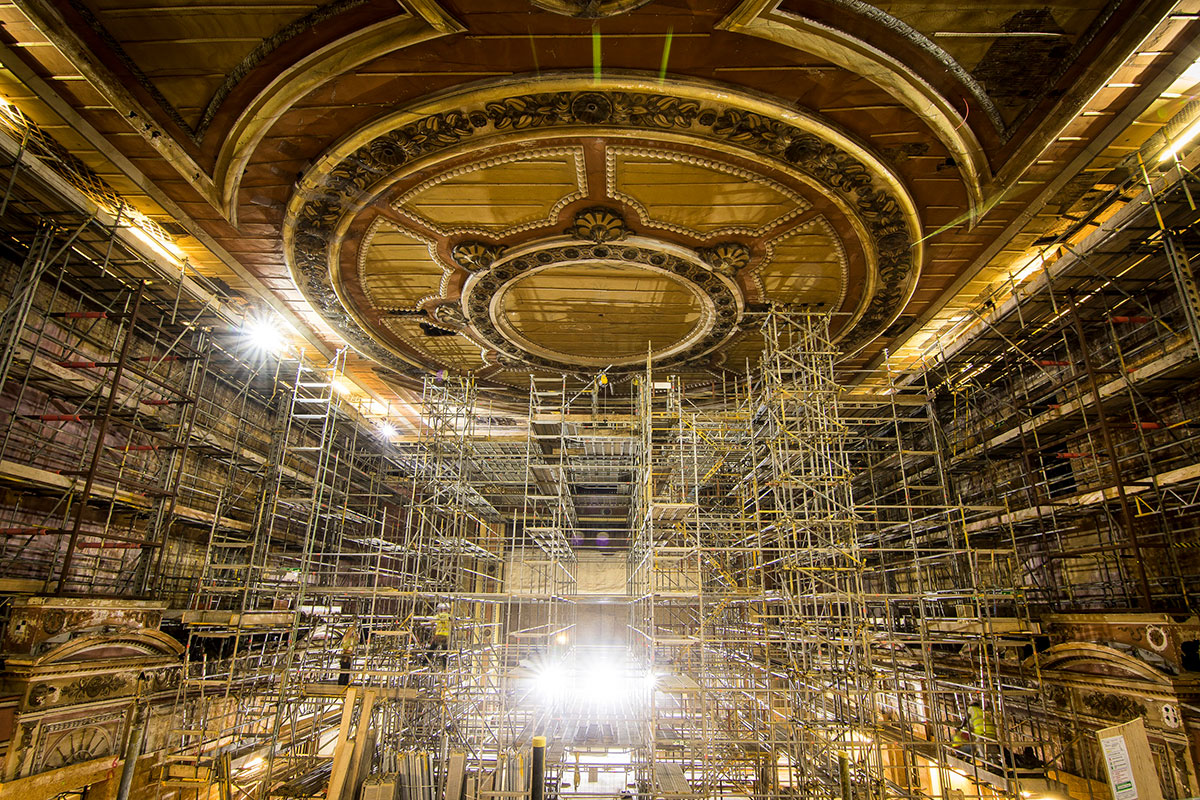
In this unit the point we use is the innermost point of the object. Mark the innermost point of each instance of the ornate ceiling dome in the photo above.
(578, 228)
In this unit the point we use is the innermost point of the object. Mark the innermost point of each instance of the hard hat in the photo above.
(443, 606)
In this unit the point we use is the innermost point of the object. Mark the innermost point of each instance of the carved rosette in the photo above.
(598, 225)
(726, 257)
(450, 315)
(474, 256)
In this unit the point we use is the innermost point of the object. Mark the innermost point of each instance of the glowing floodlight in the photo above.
(263, 335)
(607, 684)
(551, 681)
(1182, 140)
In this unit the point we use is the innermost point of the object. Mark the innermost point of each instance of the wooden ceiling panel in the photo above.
(806, 265)
(441, 351)
(569, 310)
(458, 350)
(690, 194)
(1015, 49)
(497, 196)
(967, 31)
(396, 270)
(185, 48)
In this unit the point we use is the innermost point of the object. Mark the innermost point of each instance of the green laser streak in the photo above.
(974, 213)
(537, 69)
(662, 70)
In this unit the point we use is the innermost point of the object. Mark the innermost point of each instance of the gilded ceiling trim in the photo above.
(763, 18)
(610, 177)
(345, 55)
(481, 297)
(356, 170)
(871, 276)
(264, 48)
(928, 46)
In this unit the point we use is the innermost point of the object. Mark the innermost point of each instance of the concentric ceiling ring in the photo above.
(354, 174)
(720, 301)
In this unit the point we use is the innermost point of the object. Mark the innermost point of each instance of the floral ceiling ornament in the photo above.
(599, 224)
(726, 257)
(474, 256)
(592, 107)
(450, 314)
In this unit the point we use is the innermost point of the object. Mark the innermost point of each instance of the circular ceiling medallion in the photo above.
(598, 301)
(634, 296)
(579, 227)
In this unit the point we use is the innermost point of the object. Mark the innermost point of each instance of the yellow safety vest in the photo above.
(441, 624)
(982, 724)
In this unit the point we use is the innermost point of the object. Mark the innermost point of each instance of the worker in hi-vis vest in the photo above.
(346, 659)
(982, 726)
(440, 642)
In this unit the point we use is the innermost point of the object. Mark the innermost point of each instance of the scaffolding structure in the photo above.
(816, 619)
(1073, 407)
(788, 615)
(107, 378)
(1068, 408)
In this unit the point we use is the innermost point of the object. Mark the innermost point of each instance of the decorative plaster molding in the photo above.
(448, 230)
(764, 19)
(363, 165)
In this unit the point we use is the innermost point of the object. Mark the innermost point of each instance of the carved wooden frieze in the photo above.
(39, 624)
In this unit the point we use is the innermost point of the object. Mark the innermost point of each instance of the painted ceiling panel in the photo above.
(569, 309)
(186, 49)
(806, 266)
(1014, 49)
